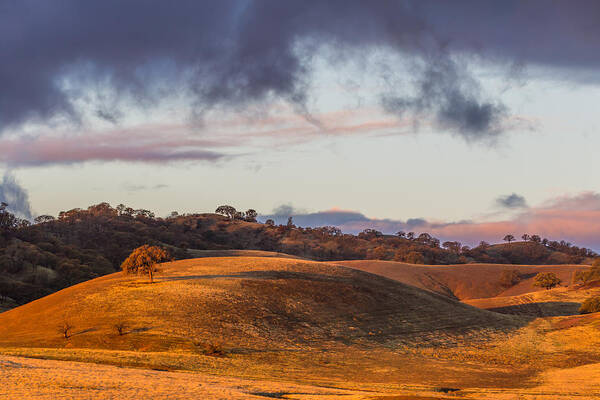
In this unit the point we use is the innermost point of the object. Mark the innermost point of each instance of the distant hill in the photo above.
(245, 303)
(559, 301)
(465, 281)
(54, 253)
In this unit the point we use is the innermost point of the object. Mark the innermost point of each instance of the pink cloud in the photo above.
(160, 143)
(115, 146)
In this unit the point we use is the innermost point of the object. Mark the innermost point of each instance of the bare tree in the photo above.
(65, 329)
(120, 327)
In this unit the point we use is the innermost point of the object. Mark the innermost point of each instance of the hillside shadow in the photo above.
(83, 331)
(138, 330)
(541, 309)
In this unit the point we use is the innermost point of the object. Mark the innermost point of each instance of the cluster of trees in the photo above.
(233, 214)
(561, 246)
(9, 223)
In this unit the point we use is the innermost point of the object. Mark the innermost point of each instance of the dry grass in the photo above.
(463, 281)
(247, 303)
(239, 253)
(314, 324)
(555, 302)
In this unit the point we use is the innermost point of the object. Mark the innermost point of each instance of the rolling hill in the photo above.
(245, 302)
(464, 281)
(287, 321)
(54, 253)
(544, 303)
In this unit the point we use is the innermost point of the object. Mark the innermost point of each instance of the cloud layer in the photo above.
(61, 58)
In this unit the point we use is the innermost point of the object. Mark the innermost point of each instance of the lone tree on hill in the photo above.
(547, 280)
(65, 329)
(143, 260)
(228, 211)
(508, 238)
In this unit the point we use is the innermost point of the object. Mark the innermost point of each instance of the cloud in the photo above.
(130, 187)
(572, 218)
(58, 57)
(454, 100)
(172, 142)
(302, 218)
(15, 196)
(122, 145)
(511, 201)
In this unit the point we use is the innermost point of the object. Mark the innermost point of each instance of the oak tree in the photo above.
(143, 260)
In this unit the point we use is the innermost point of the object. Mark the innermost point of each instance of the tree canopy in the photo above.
(547, 280)
(143, 260)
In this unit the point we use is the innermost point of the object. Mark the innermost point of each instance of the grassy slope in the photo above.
(302, 321)
(554, 302)
(246, 302)
(238, 253)
(464, 281)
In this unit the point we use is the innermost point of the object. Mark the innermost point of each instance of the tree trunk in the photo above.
(150, 272)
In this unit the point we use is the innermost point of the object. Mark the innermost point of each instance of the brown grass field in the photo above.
(268, 327)
(463, 281)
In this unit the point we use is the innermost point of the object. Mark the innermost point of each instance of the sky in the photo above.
(465, 119)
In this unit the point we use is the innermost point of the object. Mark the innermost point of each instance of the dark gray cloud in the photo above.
(230, 53)
(348, 221)
(322, 218)
(511, 201)
(454, 100)
(15, 196)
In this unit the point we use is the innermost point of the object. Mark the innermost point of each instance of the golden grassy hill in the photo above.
(463, 281)
(245, 302)
(307, 322)
(544, 303)
(238, 253)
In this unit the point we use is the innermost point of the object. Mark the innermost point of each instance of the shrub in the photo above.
(547, 280)
(585, 276)
(214, 349)
(591, 305)
(120, 327)
(510, 277)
